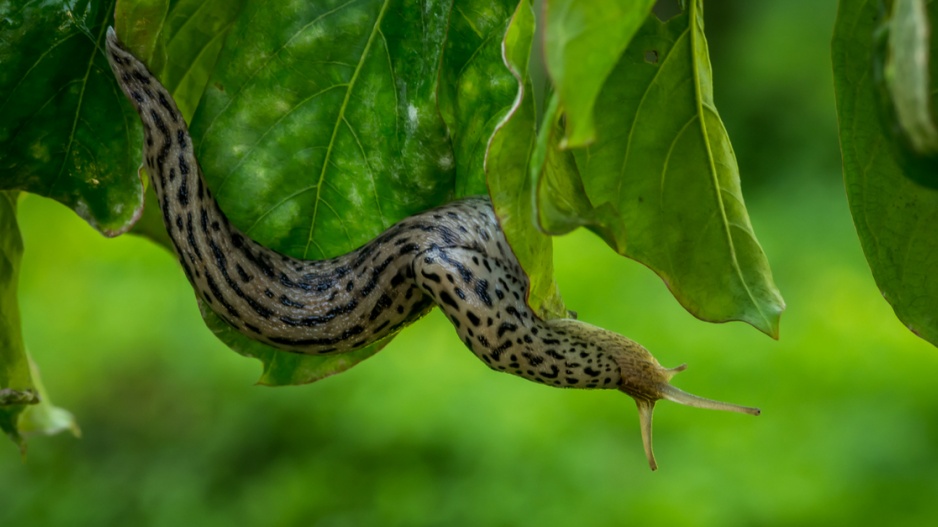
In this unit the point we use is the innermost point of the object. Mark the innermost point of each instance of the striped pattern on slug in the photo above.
(454, 256)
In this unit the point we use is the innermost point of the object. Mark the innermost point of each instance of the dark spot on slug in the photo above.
(431, 276)
(141, 77)
(483, 293)
(384, 302)
(506, 327)
(554, 372)
(190, 235)
(289, 302)
(448, 300)
(165, 104)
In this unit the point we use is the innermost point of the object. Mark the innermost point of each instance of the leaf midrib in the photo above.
(340, 118)
(698, 101)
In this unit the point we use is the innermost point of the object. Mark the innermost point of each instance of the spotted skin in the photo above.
(454, 256)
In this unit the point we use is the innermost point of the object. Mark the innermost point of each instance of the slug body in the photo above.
(454, 256)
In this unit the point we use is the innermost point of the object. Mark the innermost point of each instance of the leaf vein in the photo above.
(335, 129)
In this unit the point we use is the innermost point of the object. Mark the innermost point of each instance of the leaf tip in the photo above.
(770, 321)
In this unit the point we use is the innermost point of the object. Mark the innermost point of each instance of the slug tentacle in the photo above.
(679, 396)
(455, 256)
(646, 410)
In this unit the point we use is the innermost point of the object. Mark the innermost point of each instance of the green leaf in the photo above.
(583, 42)
(506, 166)
(476, 91)
(327, 117)
(561, 199)
(894, 215)
(64, 131)
(908, 76)
(662, 179)
(180, 44)
(16, 385)
(142, 22)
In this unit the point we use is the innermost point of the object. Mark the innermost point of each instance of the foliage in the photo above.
(663, 177)
(66, 132)
(889, 166)
(339, 118)
(423, 434)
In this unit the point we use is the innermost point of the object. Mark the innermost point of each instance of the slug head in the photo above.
(646, 382)
(644, 379)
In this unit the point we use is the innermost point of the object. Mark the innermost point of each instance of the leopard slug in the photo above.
(454, 256)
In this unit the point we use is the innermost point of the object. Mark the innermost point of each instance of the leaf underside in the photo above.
(65, 130)
(894, 209)
(660, 184)
(582, 49)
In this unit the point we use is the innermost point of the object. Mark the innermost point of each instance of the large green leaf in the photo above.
(584, 41)
(327, 117)
(895, 216)
(662, 179)
(477, 90)
(180, 42)
(64, 131)
(142, 21)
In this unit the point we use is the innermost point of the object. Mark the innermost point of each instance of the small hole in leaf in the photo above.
(651, 56)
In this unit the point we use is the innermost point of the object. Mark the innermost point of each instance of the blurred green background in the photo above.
(175, 432)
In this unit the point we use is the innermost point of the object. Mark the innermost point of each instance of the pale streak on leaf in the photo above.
(271, 128)
(253, 74)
